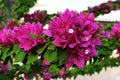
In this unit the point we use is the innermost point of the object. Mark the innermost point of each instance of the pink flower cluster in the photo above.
(36, 16)
(106, 34)
(5, 38)
(116, 30)
(27, 36)
(77, 33)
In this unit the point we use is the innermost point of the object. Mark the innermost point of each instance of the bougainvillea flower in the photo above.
(105, 34)
(61, 73)
(75, 31)
(28, 35)
(47, 75)
(45, 62)
(116, 30)
(16, 34)
(9, 25)
(75, 59)
(3, 68)
(27, 43)
(36, 16)
(5, 37)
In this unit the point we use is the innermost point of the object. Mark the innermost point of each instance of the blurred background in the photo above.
(54, 6)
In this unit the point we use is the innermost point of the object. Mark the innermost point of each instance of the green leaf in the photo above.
(50, 55)
(27, 66)
(54, 69)
(62, 56)
(74, 72)
(5, 53)
(41, 48)
(0, 52)
(20, 57)
(33, 36)
(9, 53)
(51, 47)
(105, 43)
(16, 49)
(32, 58)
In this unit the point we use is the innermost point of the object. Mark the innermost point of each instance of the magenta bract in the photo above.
(28, 35)
(77, 33)
(22, 36)
(116, 30)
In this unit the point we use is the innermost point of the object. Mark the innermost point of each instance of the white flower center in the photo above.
(46, 27)
(86, 51)
(88, 37)
(71, 30)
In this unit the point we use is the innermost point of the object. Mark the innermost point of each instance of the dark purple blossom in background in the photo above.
(104, 8)
(9, 25)
(36, 16)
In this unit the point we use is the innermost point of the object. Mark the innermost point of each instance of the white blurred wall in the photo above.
(53, 6)
(109, 74)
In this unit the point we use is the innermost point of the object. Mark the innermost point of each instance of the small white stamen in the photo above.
(88, 37)
(46, 27)
(86, 51)
(71, 30)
